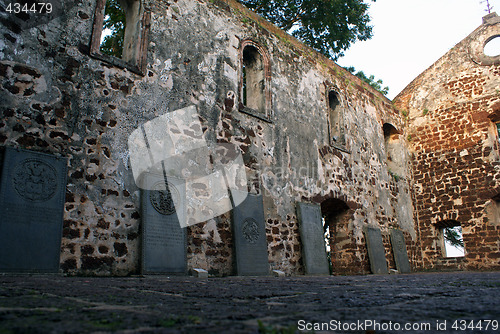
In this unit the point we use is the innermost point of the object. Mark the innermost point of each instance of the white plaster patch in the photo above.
(230, 73)
(168, 65)
(309, 80)
(209, 63)
(211, 226)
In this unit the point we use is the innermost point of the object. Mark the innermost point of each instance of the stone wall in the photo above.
(453, 107)
(60, 98)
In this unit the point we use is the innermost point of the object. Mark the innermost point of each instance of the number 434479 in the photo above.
(37, 7)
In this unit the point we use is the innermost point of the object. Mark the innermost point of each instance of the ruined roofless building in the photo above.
(453, 130)
(309, 140)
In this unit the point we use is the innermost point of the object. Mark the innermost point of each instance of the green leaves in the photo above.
(454, 237)
(329, 26)
(113, 29)
(377, 84)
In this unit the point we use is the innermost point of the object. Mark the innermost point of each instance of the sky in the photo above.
(411, 35)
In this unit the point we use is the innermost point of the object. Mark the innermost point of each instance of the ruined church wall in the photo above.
(59, 100)
(453, 108)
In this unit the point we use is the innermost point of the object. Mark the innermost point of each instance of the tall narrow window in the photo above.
(113, 33)
(255, 94)
(394, 151)
(120, 33)
(335, 120)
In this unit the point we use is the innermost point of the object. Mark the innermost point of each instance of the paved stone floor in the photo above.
(428, 303)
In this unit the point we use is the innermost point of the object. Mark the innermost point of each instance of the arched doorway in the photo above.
(336, 220)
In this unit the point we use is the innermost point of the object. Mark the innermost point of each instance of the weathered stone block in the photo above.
(313, 240)
(32, 193)
(376, 250)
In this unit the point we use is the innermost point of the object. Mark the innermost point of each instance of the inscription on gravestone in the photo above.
(376, 251)
(163, 239)
(313, 240)
(32, 193)
(250, 236)
(399, 250)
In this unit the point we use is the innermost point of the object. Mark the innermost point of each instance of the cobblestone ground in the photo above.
(160, 304)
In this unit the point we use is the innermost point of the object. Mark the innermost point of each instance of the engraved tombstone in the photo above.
(163, 239)
(399, 250)
(32, 194)
(313, 240)
(376, 251)
(250, 236)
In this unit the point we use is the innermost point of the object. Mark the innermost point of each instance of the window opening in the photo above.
(253, 89)
(113, 32)
(335, 115)
(492, 47)
(394, 151)
(452, 238)
(120, 33)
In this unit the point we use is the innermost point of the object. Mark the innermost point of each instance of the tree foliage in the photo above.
(329, 26)
(377, 84)
(114, 27)
(454, 237)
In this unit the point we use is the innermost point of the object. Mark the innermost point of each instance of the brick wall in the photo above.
(456, 160)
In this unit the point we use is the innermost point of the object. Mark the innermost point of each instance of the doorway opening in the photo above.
(335, 226)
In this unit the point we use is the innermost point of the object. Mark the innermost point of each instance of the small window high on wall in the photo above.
(335, 120)
(334, 117)
(452, 242)
(394, 151)
(255, 77)
(120, 33)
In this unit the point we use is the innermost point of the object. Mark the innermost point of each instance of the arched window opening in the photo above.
(451, 238)
(335, 118)
(120, 33)
(255, 81)
(394, 151)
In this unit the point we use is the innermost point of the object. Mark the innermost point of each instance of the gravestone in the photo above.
(164, 241)
(32, 194)
(313, 239)
(376, 251)
(249, 233)
(399, 250)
